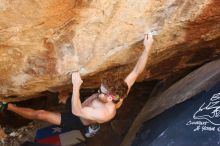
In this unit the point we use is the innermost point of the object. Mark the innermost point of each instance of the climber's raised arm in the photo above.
(76, 103)
(86, 112)
(139, 67)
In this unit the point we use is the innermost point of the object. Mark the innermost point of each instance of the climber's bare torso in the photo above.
(108, 109)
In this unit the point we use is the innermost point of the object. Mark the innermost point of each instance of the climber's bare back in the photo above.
(108, 109)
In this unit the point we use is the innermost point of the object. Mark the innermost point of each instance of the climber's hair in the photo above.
(115, 84)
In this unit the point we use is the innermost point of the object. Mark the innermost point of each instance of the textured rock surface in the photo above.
(42, 42)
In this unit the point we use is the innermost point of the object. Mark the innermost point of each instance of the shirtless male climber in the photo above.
(98, 108)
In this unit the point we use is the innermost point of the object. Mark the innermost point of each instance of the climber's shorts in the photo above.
(69, 121)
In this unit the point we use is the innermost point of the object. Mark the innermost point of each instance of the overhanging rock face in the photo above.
(42, 42)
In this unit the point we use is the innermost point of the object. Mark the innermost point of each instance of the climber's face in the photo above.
(104, 95)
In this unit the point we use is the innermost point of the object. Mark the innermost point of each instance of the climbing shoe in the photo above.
(3, 106)
(92, 130)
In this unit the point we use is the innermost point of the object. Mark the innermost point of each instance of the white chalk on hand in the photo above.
(153, 33)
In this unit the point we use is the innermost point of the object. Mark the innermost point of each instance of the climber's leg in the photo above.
(51, 117)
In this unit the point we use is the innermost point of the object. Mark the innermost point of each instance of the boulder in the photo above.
(202, 79)
(43, 42)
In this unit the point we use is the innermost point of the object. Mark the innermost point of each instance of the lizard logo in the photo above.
(210, 111)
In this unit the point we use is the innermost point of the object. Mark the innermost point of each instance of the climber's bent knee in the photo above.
(51, 117)
(40, 115)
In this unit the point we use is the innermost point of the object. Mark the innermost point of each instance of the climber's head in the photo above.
(114, 86)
